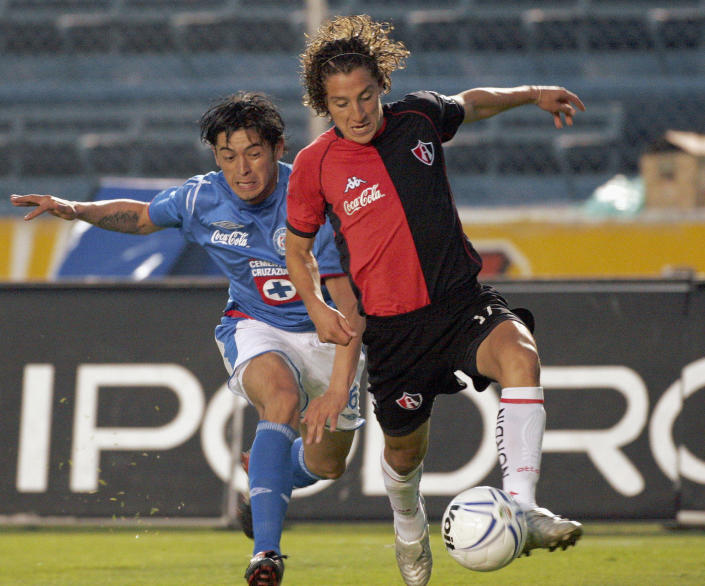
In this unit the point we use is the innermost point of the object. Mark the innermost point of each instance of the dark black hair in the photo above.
(243, 110)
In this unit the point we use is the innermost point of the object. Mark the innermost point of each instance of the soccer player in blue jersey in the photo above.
(269, 344)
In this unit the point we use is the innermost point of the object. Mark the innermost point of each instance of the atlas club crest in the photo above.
(410, 402)
(423, 151)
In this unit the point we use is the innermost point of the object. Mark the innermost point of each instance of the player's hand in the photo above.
(331, 325)
(60, 208)
(559, 101)
(325, 408)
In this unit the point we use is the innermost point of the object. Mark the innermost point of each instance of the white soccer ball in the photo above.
(483, 528)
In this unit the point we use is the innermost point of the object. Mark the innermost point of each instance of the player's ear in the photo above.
(215, 156)
(279, 149)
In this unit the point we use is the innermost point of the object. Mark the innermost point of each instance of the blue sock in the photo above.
(270, 482)
(302, 475)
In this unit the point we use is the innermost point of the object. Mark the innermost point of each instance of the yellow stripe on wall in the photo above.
(534, 247)
(47, 236)
(605, 249)
(6, 236)
(28, 249)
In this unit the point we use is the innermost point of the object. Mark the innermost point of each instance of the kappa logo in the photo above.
(354, 183)
(423, 151)
(410, 402)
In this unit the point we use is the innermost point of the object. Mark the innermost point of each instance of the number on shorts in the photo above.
(480, 318)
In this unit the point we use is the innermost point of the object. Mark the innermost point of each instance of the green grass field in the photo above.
(348, 554)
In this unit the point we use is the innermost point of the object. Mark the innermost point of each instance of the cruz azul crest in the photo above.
(423, 151)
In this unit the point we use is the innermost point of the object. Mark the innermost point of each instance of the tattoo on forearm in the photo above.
(120, 222)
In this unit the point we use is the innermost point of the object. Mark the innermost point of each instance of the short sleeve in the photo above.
(446, 114)
(166, 208)
(305, 203)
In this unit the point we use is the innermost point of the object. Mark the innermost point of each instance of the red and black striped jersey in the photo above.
(389, 201)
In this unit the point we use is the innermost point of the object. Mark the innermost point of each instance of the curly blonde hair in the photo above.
(341, 45)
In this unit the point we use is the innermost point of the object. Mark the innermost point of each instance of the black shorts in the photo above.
(411, 357)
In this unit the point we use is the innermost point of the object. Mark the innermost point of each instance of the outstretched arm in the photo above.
(328, 406)
(119, 215)
(481, 103)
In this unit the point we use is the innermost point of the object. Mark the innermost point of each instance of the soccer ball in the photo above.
(483, 528)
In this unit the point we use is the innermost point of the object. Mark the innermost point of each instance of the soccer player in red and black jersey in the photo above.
(431, 328)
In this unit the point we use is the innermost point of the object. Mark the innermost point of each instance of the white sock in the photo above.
(521, 421)
(405, 498)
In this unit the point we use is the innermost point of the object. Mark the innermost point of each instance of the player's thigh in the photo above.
(327, 458)
(509, 355)
(271, 386)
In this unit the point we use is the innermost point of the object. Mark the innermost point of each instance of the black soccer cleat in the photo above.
(244, 507)
(265, 569)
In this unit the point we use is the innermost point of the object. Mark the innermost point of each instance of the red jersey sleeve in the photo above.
(305, 202)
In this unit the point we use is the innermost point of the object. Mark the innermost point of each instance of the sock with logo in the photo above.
(406, 501)
(302, 475)
(521, 421)
(270, 475)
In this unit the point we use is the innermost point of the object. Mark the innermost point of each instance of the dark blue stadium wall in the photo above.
(114, 405)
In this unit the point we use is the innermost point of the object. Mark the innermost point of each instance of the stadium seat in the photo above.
(376, 5)
(626, 33)
(59, 157)
(469, 156)
(29, 37)
(431, 30)
(553, 30)
(212, 31)
(7, 157)
(679, 29)
(587, 153)
(88, 33)
(531, 157)
(176, 158)
(56, 7)
(111, 154)
(145, 35)
(167, 7)
(624, 5)
(105, 33)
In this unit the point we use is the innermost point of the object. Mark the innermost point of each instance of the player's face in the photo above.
(354, 103)
(249, 164)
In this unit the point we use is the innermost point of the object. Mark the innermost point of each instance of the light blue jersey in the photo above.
(247, 242)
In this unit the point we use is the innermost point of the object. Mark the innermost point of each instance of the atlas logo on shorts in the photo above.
(423, 151)
(410, 402)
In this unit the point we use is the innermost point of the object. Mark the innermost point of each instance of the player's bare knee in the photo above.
(330, 469)
(520, 367)
(403, 460)
(282, 407)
